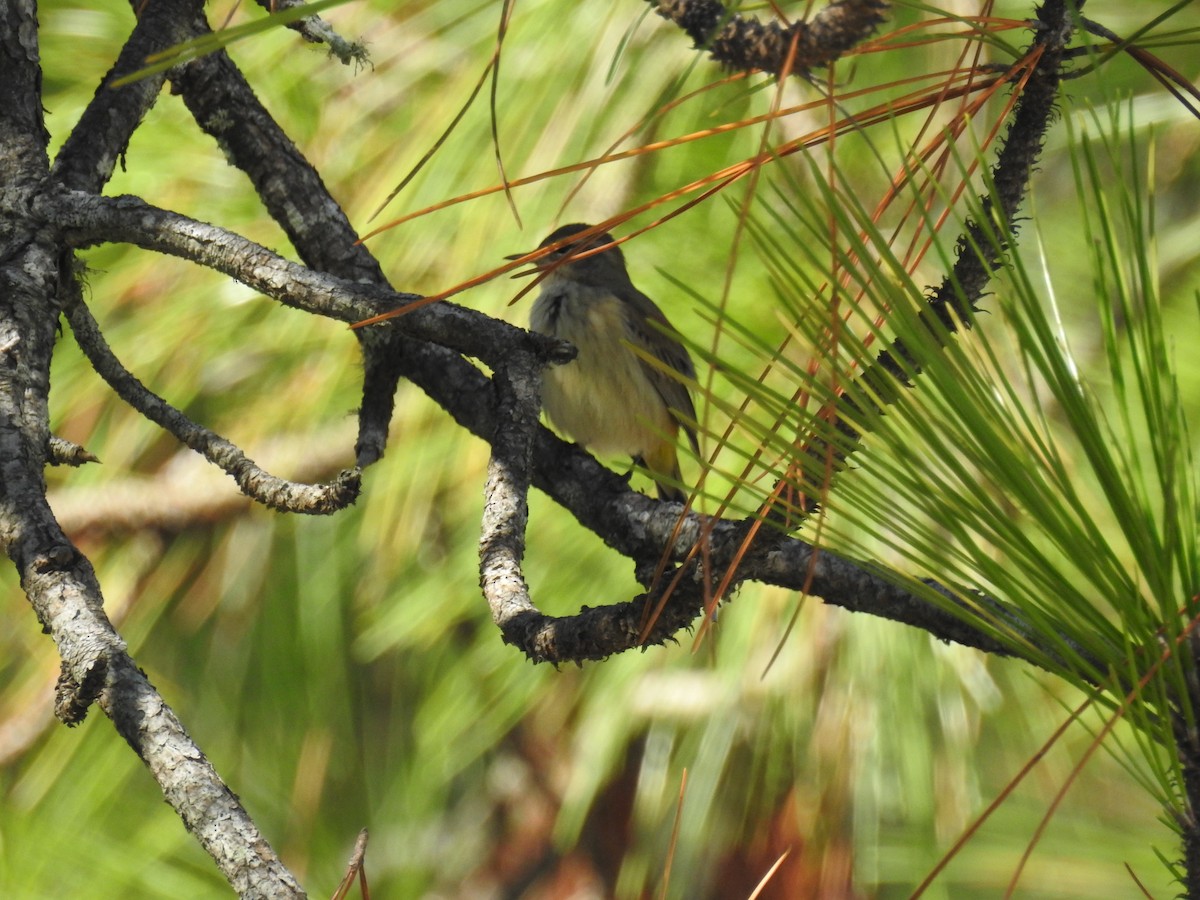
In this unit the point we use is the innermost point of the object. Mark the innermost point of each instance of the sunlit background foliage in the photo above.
(343, 672)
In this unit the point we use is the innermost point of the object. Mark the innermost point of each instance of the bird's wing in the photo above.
(663, 346)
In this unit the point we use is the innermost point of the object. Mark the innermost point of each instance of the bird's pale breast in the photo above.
(603, 398)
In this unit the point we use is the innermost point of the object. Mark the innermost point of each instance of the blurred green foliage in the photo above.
(344, 672)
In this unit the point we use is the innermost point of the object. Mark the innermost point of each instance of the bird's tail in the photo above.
(663, 460)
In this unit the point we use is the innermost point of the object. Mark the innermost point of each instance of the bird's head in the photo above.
(600, 268)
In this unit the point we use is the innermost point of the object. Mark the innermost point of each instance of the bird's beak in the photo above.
(524, 273)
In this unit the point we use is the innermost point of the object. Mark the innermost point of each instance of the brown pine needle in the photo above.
(770, 873)
(674, 837)
(355, 868)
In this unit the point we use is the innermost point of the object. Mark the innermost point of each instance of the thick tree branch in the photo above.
(90, 153)
(86, 219)
(57, 579)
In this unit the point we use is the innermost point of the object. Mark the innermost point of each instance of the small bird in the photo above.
(609, 399)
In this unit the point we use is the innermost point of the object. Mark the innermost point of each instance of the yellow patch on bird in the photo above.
(602, 398)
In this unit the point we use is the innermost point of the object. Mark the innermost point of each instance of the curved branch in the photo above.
(270, 490)
(640, 527)
(187, 492)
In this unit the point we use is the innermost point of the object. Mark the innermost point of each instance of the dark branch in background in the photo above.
(744, 43)
(1188, 742)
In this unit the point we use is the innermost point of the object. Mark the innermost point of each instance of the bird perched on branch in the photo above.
(625, 392)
